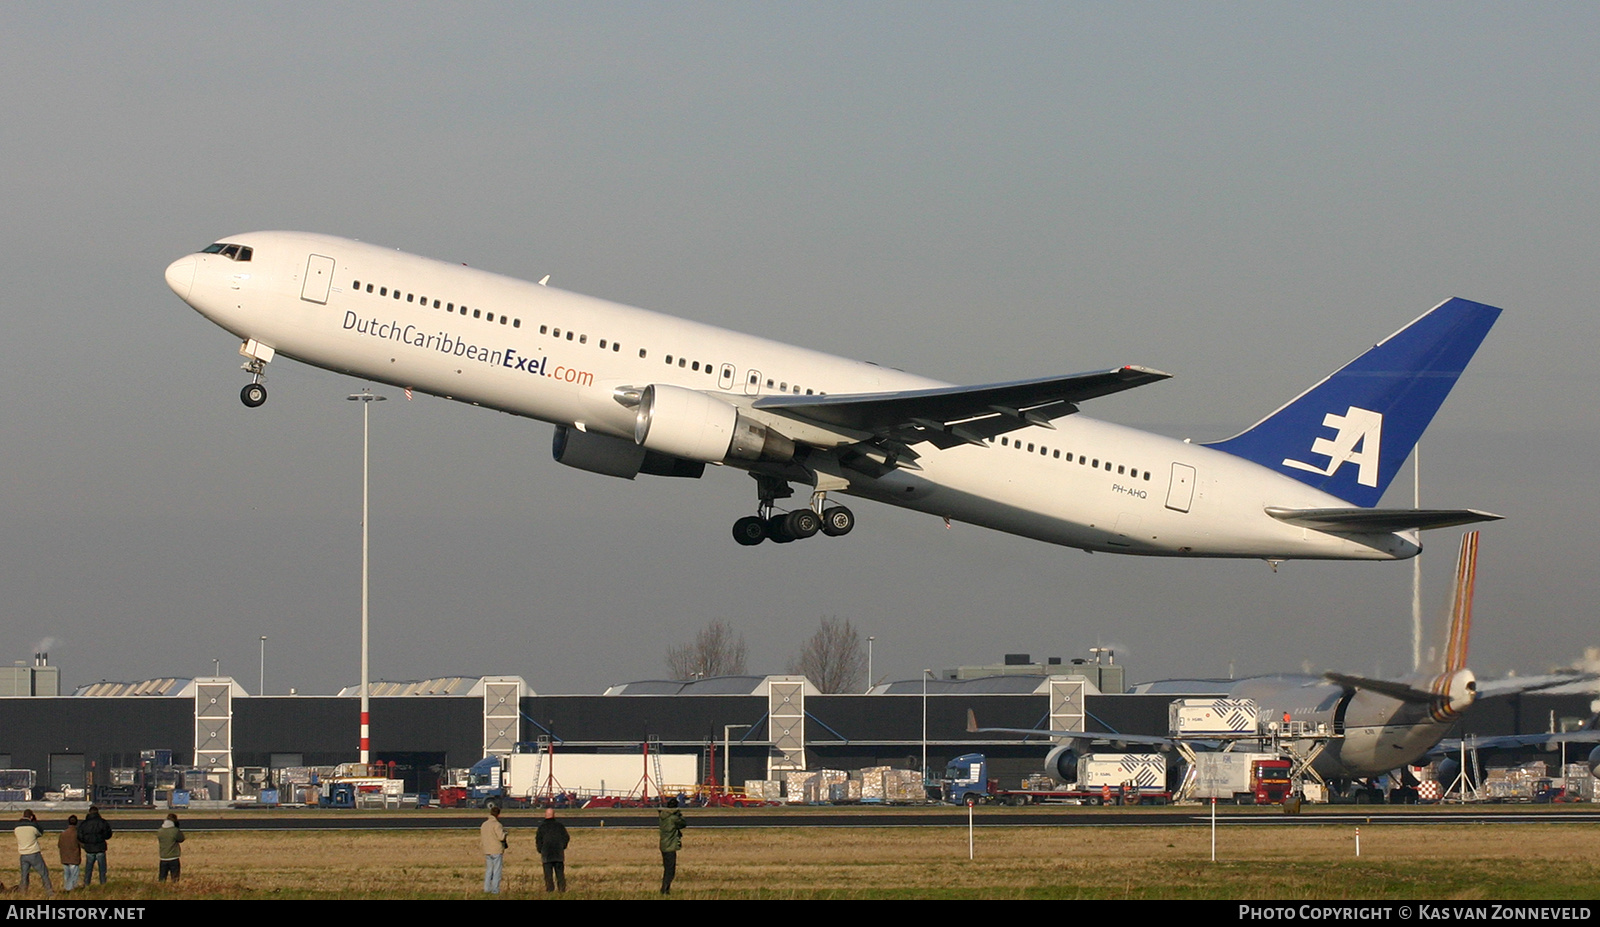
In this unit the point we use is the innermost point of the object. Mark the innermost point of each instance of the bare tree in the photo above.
(833, 659)
(717, 650)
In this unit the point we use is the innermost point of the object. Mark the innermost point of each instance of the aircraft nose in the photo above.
(180, 276)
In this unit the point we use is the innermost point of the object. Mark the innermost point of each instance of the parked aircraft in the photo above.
(1366, 726)
(632, 391)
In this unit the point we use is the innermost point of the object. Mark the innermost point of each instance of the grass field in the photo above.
(1398, 861)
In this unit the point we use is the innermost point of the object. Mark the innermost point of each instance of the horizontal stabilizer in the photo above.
(1516, 685)
(1389, 687)
(1375, 521)
(969, 413)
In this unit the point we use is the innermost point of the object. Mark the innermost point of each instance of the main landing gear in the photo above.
(783, 527)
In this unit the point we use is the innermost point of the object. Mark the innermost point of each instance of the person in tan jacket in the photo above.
(492, 840)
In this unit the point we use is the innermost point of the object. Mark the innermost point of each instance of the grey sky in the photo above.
(1244, 196)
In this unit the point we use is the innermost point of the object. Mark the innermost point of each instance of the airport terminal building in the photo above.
(771, 725)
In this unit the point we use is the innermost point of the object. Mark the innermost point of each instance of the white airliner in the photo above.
(632, 391)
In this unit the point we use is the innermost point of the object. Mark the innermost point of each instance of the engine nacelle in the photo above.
(695, 426)
(599, 453)
(1061, 764)
(1594, 761)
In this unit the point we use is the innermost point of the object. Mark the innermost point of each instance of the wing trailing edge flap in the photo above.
(953, 415)
(1374, 521)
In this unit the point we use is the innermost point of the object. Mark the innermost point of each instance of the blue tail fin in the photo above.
(1349, 434)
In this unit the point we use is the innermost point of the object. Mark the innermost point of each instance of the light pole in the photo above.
(925, 674)
(366, 397)
(727, 757)
(261, 680)
(870, 639)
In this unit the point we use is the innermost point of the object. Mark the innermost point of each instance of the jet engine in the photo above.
(694, 426)
(1061, 764)
(1594, 761)
(599, 453)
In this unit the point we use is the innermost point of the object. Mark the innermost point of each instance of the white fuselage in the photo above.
(561, 357)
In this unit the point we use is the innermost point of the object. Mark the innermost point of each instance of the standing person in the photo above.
(551, 840)
(168, 838)
(672, 825)
(492, 840)
(71, 854)
(31, 857)
(92, 836)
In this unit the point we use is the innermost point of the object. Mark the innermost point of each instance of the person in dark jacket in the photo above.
(551, 840)
(672, 824)
(168, 838)
(92, 836)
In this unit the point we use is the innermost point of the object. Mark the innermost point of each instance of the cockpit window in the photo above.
(231, 252)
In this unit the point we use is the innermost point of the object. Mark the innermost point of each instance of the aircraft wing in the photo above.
(953, 415)
(973, 728)
(1511, 741)
(1372, 521)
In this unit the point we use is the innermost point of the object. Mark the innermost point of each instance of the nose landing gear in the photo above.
(256, 356)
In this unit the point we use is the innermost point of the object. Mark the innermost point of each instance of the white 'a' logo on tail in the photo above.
(1360, 431)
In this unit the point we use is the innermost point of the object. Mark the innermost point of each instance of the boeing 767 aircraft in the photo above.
(632, 391)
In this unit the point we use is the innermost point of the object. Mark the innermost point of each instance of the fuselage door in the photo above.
(319, 277)
(725, 377)
(1181, 493)
(752, 383)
